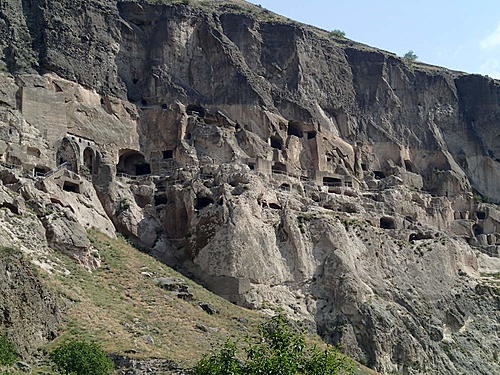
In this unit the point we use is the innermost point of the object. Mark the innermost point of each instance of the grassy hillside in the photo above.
(121, 307)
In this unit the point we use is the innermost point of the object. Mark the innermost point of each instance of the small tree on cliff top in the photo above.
(410, 56)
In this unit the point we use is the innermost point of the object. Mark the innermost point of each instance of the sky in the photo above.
(461, 34)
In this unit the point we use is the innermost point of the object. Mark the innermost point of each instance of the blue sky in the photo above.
(461, 34)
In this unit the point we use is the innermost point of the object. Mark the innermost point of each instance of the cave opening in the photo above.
(168, 154)
(133, 163)
(387, 223)
(67, 153)
(41, 170)
(279, 168)
(312, 134)
(195, 109)
(71, 187)
(379, 175)
(332, 181)
(276, 143)
(160, 200)
(88, 159)
(294, 129)
(478, 229)
(202, 202)
(481, 215)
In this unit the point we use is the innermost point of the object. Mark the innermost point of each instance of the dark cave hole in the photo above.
(71, 187)
(387, 223)
(202, 202)
(276, 143)
(294, 129)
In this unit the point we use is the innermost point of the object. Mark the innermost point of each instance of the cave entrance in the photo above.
(160, 200)
(71, 187)
(387, 223)
(332, 181)
(67, 154)
(481, 215)
(294, 129)
(276, 143)
(379, 175)
(202, 202)
(478, 229)
(41, 170)
(168, 154)
(279, 168)
(195, 109)
(88, 159)
(133, 163)
(312, 134)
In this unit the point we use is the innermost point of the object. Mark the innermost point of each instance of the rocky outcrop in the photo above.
(29, 313)
(268, 160)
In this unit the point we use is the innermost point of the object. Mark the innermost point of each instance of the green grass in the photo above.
(117, 306)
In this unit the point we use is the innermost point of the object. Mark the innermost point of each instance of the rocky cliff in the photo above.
(274, 163)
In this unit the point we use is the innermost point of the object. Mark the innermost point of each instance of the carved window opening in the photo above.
(202, 202)
(41, 170)
(168, 154)
(481, 215)
(312, 135)
(387, 223)
(276, 143)
(332, 181)
(279, 168)
(294, 129)
(160, 200)
(71, 187)
(194, 109)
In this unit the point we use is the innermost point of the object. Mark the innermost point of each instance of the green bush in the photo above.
(82, 358)
(280, 350)
(337, 33)
(8, 353)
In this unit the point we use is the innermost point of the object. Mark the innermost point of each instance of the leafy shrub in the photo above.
(410, 56)
(280, 350)
(82, 358)
(8, 353)
(337, 33)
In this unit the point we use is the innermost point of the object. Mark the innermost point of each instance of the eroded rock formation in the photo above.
(274, 164)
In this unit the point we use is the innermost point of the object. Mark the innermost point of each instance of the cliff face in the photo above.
(270, 161)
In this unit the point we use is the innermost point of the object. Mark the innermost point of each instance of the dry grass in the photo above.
(118, 306)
